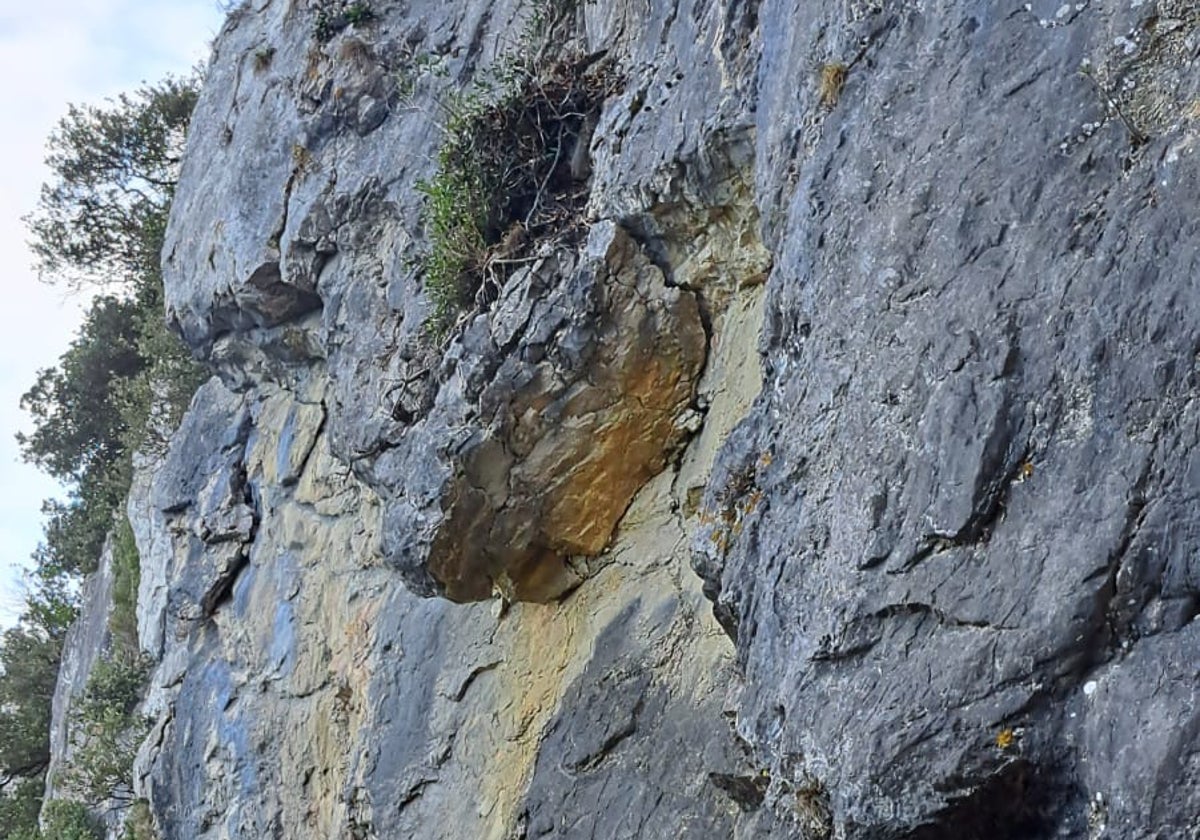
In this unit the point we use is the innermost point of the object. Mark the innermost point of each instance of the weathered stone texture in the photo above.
(973, 442)
(85, 644)
(940, 501)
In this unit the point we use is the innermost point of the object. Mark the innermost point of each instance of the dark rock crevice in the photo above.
(1018, 803)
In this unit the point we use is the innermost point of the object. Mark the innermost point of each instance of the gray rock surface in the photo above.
(940, 502)
(317, 698)
(85, 644)
(972, 448)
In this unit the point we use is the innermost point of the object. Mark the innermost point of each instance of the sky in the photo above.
(55, 52)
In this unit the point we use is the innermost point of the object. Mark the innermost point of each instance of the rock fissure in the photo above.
(591, 760)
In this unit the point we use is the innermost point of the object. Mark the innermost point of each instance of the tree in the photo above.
(81, 435)
(101, 219)
(78, 422)
(106, 730)
(19, 809)
(73, 535)
(30, 660)
(65, 820)
(50, 608)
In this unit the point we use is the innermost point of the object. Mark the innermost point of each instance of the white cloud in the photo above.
(52, 53)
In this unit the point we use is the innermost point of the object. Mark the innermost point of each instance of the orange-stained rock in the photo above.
(563, 459)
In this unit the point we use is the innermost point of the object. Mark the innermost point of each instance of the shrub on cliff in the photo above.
(512, 168)
(139, 824)
(106, 730)
(19, 808)
(65, 820)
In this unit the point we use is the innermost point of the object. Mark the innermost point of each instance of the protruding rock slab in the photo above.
(583, 410)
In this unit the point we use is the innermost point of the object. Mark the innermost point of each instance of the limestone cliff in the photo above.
(876, 315)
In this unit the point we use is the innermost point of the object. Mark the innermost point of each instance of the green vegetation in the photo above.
(106, 730)
(125, 379)
(30, 658)
(19, 806)
(512, 165)
(456, 209)
(65, 820)
(122, 621)
(263, 57)
(100, 220)
(121, 386)
(139, 825)
(358, 13)
(335, 15)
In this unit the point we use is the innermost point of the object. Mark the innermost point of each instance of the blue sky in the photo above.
(54, 52)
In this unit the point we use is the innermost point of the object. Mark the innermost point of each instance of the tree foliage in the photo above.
(101, 219)
(139, 824)
(19, 809)
(79, 427)
(29, 656)
(106, 729)
(65, 820)
(30, 659)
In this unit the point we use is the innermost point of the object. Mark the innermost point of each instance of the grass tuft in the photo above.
(509, 175)
(830, 81)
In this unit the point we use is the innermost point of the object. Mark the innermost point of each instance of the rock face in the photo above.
(952, 537)
(879, 334)
(85, 644)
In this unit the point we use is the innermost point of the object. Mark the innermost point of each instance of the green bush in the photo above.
(456, 213)
(358, 13)
(106, 731)
(115, 686)
(332, 16)
(66, 820)
(139, 825)
(506, 177)
(19, 809)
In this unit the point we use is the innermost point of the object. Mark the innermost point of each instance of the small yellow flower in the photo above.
(1006, 738)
